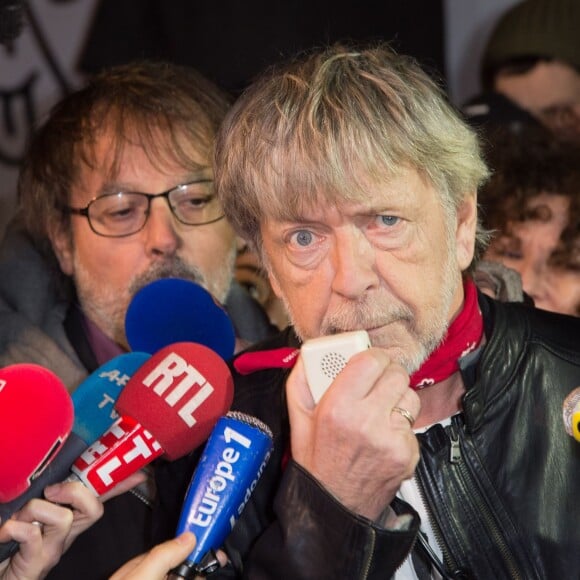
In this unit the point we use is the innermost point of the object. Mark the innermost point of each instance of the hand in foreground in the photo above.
(352, 441)
(44, 529)
(156, 564)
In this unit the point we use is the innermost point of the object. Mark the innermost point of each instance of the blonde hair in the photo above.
(312, 127)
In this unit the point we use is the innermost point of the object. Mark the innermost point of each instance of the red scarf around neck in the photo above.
(462, 337)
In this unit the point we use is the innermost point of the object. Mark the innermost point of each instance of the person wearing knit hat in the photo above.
(533, 58)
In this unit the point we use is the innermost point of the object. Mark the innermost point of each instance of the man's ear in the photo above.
(62, 245)
(466, 230)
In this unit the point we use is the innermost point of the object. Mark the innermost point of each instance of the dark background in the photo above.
(231, 41)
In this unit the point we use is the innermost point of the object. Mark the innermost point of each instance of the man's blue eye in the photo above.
(303, 238)
(389, 220)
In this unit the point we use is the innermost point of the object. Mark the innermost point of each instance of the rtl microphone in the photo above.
(571, 413)
(231, 465)
(167, 408)
(172, 310)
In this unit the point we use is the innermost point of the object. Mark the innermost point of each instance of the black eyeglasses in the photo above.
(116, 215)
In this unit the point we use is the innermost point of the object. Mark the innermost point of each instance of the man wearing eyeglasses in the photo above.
(116, 191)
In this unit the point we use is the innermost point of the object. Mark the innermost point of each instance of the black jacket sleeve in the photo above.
(313, 536)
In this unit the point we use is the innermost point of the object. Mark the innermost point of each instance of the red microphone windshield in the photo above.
(178, 395)
(36, 416)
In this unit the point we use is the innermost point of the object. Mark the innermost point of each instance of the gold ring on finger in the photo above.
(405, 414)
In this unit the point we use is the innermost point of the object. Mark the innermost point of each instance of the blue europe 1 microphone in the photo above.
(233, 460)
(172, 310)
(93, 403)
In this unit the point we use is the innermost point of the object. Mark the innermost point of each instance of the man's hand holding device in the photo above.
(341, 395)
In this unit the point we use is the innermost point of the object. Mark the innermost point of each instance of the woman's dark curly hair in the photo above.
(525, 164)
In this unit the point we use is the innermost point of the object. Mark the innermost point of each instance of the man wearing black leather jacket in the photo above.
(357, 182)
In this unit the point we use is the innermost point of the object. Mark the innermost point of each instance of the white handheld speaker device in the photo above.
(325, 357)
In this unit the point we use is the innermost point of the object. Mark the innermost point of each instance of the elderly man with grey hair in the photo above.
(440, 451)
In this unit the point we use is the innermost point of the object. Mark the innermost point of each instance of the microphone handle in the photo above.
(57, 470)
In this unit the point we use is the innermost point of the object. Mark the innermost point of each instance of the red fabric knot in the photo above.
(462, 337)
(278, 358)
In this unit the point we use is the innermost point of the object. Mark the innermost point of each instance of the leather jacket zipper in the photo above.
(456, 458)
(464, 476)
(448, 560)
(140, 495)
(367, 567)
